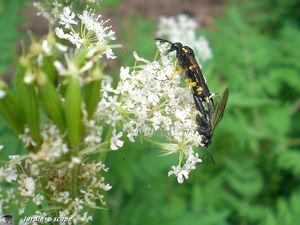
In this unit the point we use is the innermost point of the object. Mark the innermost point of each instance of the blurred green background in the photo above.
(256, 53)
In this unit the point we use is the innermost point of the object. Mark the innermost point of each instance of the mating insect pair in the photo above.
(209, 114)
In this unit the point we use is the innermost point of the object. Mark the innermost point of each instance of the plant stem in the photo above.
(102, 154)
(74, 175)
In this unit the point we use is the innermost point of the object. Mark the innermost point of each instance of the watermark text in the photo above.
(46, 219)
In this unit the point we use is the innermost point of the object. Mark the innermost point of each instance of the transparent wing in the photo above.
(219, 110)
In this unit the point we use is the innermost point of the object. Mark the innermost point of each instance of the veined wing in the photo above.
(219, 110)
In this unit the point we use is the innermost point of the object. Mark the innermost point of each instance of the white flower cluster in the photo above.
(27, 186)
(8, 174)
(26, 138)
(149, 99)
(50, 10)
(85, 30)
(23, 185)
(183, 172)
(2, 93)
(90, 193)
(184, 29)
(94, 133)
(53, 145)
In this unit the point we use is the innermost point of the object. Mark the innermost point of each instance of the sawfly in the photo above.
(209, 114)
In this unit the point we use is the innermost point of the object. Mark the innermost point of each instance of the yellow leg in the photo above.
(206, 99)
(176, 62)
(179, 70)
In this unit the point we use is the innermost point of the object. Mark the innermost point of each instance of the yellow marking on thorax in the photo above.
(192, 84)
(183, 49)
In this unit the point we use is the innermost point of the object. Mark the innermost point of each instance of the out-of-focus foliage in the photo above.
(135, 34)
(83, 4)
(256, 179)
(10, 19)
(272, 15)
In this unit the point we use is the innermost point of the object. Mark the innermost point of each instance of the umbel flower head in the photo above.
(85, 30)
(149, 99)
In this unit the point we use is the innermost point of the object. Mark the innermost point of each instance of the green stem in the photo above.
(74, 175)
(105, 218)
(102, 154)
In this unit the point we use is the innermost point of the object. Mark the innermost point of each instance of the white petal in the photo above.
(2, 93)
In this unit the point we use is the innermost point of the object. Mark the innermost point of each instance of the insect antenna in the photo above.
(162, 40)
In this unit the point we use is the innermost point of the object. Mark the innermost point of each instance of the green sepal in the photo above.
(73, 111)
(31, 108)
(51, 101)
(49, 69)
(92, 97)
(8, 110)
(28, 107)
